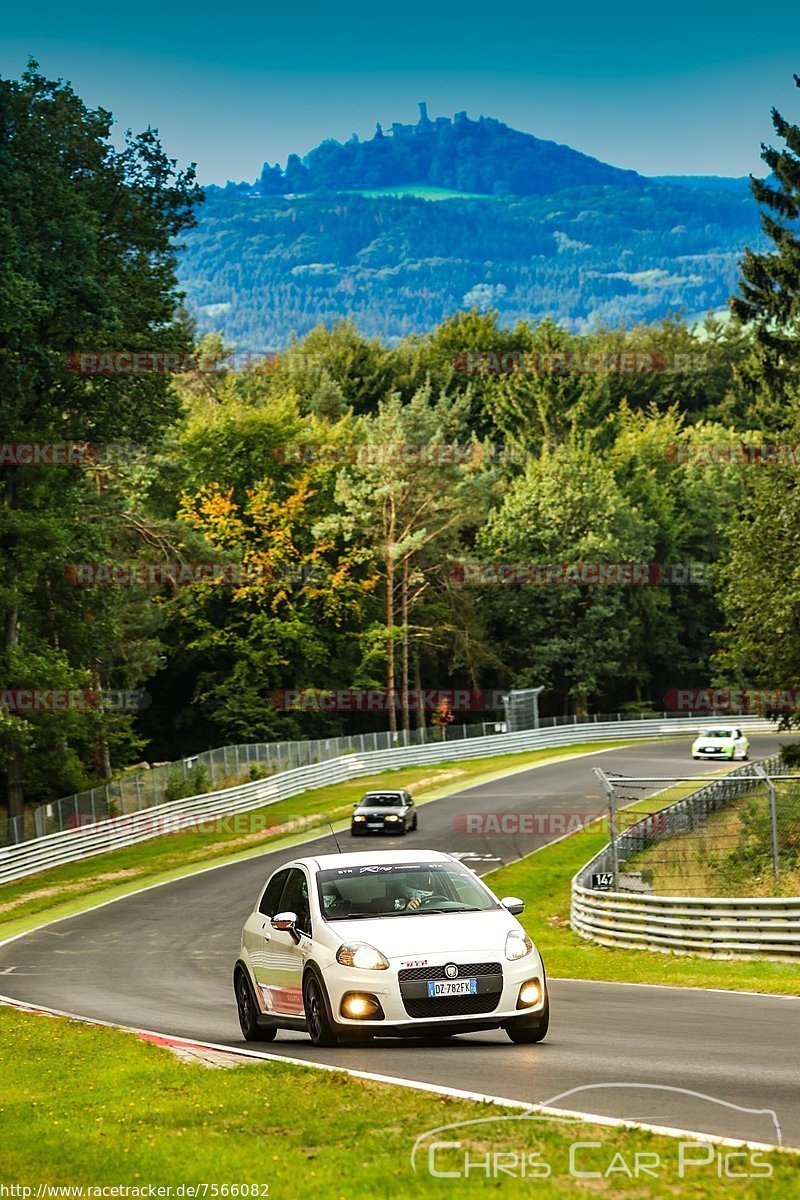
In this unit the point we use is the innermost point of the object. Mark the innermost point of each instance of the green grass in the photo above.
(62, 891)
(543, 880)
(94, 1107)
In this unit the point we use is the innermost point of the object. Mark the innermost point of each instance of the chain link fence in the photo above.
(736, 836)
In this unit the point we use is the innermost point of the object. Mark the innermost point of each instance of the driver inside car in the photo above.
(402, 898)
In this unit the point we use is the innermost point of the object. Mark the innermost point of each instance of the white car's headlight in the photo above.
(363, 956)
(518, 945)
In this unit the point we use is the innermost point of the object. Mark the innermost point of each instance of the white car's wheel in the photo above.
(315, 1005)
(526, 1032)
(248, 1011)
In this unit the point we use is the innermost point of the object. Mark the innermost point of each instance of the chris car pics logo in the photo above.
(501, 1147)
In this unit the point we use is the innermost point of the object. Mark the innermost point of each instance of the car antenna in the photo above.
(333, 835)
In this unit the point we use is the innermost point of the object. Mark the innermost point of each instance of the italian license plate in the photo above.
(452, 987)
(374, 824)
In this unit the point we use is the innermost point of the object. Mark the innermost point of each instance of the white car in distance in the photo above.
(386, 944)
(721, 741)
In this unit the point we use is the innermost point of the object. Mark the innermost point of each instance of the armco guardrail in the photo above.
(58, 848)
(710, 927)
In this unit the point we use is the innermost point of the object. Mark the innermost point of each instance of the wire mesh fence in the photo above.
(736, 836)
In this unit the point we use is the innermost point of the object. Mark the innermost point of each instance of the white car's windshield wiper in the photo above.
(355, 916)
(422, 911)
(403, 912)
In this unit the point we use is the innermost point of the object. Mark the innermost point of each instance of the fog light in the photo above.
(530, 994)
(360, 1007)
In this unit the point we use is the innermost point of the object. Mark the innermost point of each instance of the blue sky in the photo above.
(684, 90)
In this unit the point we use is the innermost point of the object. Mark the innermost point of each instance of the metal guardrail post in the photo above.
(773, 821)
(612, 820)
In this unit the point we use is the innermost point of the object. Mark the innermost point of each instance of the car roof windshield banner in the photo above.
(389, 868)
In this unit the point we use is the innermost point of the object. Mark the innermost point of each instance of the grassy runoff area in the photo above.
(62, 891)
(93, 1107)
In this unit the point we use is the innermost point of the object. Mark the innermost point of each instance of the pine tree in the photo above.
(770, 285)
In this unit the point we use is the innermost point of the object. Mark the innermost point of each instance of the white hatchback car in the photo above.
(721, 741)
(386, 943)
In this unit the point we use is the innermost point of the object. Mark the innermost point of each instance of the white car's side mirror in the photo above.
(514, 905)
(285, 921)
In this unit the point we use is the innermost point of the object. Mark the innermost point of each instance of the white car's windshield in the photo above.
(384, 800)
(717, 733)
(401, 889)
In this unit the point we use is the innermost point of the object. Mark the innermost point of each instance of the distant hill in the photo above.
(483, 156)
(402, 230)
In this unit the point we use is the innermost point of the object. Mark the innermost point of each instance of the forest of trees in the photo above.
(266, 268)
(347, 487)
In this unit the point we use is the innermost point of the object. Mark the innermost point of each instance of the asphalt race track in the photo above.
(162, 960)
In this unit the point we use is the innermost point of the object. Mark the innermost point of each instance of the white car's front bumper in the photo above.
(403, 995)
(718, 750)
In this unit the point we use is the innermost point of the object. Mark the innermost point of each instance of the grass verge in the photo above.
(543, 880)
(92, 1108)
(63, 891)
